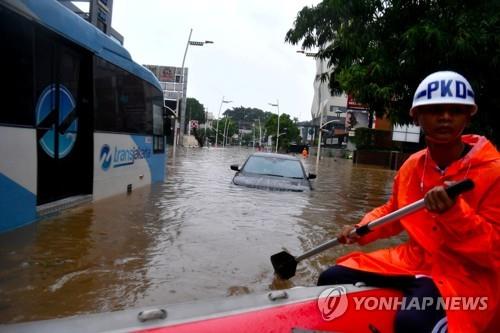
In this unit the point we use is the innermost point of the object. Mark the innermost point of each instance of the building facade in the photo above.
(341, 115)
(98, 12)
(174, 85)
(330, 110)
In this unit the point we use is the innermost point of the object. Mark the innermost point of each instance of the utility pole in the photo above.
(278, 130)
(206, 122)
(183, 81)
(218, 116)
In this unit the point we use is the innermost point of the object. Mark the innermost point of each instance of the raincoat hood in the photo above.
(482, 150)
(458, 249)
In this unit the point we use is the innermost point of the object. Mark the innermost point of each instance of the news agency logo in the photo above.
(46, 119)
(332, 303)
(118, 157)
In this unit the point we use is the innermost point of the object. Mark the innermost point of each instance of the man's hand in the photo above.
(345, 238)
(437, 200)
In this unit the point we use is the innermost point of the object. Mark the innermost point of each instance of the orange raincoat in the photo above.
(459, 249)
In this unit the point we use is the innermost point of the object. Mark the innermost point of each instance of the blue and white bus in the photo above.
(78, 117)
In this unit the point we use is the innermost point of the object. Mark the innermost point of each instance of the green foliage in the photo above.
(195, 110)
(379, 50)
(245, 117)
(250, 138)
(207, 136)
(227, 127)
(287, 126)
(241, 118)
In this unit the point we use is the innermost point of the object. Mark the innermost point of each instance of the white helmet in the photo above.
(444, 87)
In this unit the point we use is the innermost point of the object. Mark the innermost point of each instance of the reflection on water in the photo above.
(196, 236)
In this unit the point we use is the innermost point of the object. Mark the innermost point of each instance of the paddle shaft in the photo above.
(394, 216)
(452, 192)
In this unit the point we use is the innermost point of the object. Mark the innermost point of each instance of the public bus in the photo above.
(79, 119)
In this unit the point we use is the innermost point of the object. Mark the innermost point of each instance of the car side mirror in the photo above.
(235, 167)
(311, 176)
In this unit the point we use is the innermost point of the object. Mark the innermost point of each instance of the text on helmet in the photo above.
(445, 88)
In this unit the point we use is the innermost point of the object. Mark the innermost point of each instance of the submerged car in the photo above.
(274, 172)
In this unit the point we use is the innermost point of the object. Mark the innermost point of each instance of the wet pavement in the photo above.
(196, 236)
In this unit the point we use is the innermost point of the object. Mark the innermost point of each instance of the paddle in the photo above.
(285, 264)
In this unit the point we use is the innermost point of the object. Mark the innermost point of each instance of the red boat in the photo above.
(342, 308)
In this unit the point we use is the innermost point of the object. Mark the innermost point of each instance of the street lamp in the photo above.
(189, 42)
(277, 136)
(200, 43)
(319, 141)
(218, 117)
(260, 134)
(226, 129)
(206, 122)
(253, 141)
(308, 54)
(283, 133)
(321, 125)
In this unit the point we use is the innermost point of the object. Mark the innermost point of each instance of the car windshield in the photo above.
(274, 166)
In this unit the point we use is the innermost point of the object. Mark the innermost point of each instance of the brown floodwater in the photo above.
(196, 236)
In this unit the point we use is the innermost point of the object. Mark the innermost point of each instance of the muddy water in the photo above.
(197, 236)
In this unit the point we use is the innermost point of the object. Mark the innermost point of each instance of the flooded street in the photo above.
(196, 236)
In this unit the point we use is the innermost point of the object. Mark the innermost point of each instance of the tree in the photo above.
(379, 50)
(195, 110)
(287, 126)
(245, 117)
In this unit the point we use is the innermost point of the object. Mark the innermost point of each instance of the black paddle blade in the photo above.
(284, 264)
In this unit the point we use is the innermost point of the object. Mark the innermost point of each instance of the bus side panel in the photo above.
(156, 163)
(17, 177)
(119, 161)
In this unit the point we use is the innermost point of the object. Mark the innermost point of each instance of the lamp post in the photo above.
(260, 134)
(321, 125)
(253, 141)
(308, 54)
(218, 116)
(189, 42)
(319, 141)
(319, 138)
(283, 133)
(278, 130)
(206, 122)
(226, 129)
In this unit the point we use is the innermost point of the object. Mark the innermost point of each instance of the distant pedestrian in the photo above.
(305, 153)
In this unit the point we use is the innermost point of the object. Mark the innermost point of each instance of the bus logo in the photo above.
(46, 119)
(105, 157)
(120, 157)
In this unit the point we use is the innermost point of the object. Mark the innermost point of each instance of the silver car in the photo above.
(274, 172)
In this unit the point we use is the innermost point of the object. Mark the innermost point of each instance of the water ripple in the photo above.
(195, 236)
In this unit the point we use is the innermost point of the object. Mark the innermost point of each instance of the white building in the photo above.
(323, 101)
(336, 108)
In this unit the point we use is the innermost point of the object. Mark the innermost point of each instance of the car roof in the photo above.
(282, 156)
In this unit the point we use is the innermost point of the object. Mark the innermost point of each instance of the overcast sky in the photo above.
(249, 62)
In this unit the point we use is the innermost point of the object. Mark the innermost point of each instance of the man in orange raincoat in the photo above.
(452, 256)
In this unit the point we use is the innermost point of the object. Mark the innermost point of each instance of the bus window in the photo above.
(16, 93)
